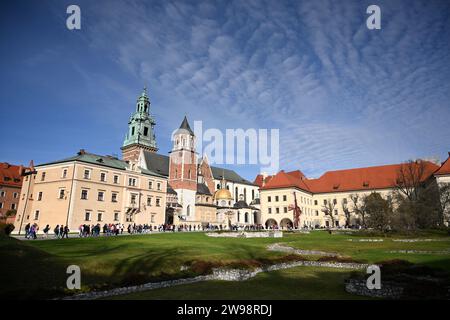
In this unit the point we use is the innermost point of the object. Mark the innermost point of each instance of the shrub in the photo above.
(6, 229)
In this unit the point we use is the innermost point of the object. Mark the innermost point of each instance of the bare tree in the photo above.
(359, 208)
(328, 210)
(443, 203)
(410, 178)
(347, 212)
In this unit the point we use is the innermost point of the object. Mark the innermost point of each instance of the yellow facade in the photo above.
(76, 193)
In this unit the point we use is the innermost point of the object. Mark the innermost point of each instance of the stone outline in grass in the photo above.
(420, 252)
(225, 274)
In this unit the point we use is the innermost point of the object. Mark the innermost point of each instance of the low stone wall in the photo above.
(418, 240)
(387, 291)
(282, 248)
(223, 274)
(264, 234)
(366, 240)
(420, 252)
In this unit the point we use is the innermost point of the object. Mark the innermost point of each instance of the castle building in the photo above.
(10, 186)
(144, 187)
(334, 189)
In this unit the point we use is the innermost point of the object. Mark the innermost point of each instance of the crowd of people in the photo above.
(111, 229)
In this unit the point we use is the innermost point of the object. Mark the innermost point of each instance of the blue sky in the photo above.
(342, 96)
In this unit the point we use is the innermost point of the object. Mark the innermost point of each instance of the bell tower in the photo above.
(140, 135)
(183, 168)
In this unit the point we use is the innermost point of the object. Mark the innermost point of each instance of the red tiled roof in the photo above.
(369, 178)
(285, 180)
(10, 175)
(445, 167)
(259, 180)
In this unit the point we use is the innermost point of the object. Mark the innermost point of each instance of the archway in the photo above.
(286, 223)
(271, 223)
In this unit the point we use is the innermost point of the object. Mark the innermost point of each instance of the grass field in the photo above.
(37, 268)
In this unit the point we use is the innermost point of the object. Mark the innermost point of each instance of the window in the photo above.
(101, 196)
(43, 176)
(150, 184)
(15, 195)
(133, 199)
(152, 218)
(87, 174)
(269, 199)
(99, 216)
(158, 202)
(103, 177)
(325, 202)
(315, 202)
(116, 216)
(218, 186)
(269, 210)
(64, 173)
(145, 131)
(114, 197)
(285, 209)
(284, 198)
(132, 131)
(317, 212)
(36, 215)
(13, 206)
(116, 179)
(246, 217)
(3, 194)
(335, 212)
(61, 194)
(1, 205)
(39, 196)
(84, 194)
(87, 216)
(277, 198)
(344, 200)
(277, 210)
(334, 201)
(132, 182)
(149, 201)
(158, 186)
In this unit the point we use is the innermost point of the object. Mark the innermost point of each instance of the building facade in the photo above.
(10, 186)
(144, 187)
(338, 191)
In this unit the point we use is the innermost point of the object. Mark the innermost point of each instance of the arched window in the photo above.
(188, 210)
(189, 174)
(176, 173)
(236, 196)
(218, 186)
(246, 217)
(253, 194)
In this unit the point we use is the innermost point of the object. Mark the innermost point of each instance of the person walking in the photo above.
(66, 232)
(56, 231)
(46, 230)
(61, 231)
(27, 230)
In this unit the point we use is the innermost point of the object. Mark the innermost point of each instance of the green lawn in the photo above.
(37, 268)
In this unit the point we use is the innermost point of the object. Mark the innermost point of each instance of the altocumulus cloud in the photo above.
(342, 95)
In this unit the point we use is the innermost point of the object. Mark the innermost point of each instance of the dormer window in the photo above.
(365, 183)
(335, 186)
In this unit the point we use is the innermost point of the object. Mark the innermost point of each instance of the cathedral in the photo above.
(197, 193)
(144, 187)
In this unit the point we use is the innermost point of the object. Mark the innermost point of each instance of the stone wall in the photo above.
(387, 291)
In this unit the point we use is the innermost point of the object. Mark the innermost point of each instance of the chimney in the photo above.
(82, 151)
(264, 176)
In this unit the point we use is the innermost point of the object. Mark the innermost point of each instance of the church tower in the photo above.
(140, 135)
(183, 169)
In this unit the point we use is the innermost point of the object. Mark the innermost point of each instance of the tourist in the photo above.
(27, 230)
(46, 230)
(56, 231)
(66, 232)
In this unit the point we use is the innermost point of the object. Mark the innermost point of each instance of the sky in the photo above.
(342, 95)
